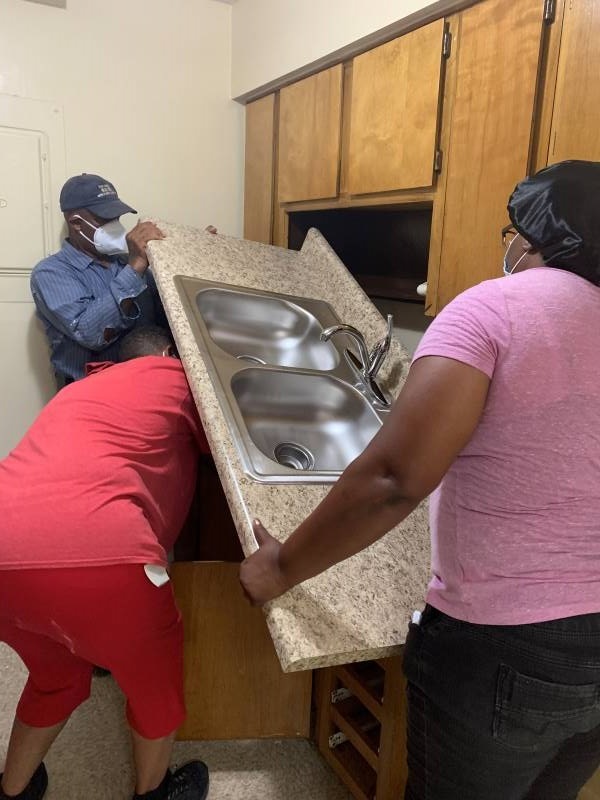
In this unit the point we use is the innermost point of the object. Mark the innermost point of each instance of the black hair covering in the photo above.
(558, 211)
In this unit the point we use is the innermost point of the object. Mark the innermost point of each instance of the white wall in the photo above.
(274, 37)
(145, 87)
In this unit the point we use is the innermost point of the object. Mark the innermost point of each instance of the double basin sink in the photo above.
(293, 402)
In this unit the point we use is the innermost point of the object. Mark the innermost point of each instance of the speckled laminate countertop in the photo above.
(359, 609)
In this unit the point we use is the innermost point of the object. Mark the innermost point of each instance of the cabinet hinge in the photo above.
(438, 160)
(447, 44)
(549, 11)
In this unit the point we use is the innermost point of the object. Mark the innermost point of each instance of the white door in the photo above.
(31, 171)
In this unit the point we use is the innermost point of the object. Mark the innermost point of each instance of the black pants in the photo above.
(502, 712)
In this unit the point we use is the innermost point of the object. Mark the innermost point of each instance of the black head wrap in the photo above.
(558, 211)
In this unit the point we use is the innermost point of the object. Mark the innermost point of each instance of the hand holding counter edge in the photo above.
(98, 286)
(91, 495)
(497, 421)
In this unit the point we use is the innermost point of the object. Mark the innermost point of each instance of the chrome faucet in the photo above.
(369, 363)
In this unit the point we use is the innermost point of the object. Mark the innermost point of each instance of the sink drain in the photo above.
(292, 455)
(252, 359)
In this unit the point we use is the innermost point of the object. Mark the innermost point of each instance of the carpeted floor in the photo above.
(90, 760)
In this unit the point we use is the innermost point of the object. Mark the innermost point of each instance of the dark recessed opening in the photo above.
(386, 249)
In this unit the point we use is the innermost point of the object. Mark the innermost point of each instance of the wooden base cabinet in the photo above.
(234, 685)
(361, 726)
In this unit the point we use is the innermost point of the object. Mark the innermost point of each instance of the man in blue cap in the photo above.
(98, 286)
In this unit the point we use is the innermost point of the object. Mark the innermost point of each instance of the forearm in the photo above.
(93, 322)
(100, 323)
(362, 506)
(429, 425)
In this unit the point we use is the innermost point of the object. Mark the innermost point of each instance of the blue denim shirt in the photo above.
(79, 302)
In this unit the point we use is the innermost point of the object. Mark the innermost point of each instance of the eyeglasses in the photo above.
(508, 235)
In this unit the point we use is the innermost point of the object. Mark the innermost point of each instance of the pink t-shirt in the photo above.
(515, 523)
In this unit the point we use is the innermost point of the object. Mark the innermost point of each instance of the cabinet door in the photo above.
(258, 175)
(310, 118)
(491, 127)
(576, 117)
(234, 686)
(394, 113)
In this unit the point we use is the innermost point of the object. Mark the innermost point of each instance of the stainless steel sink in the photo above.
(294, 405)
(304, 421)
(265, 330)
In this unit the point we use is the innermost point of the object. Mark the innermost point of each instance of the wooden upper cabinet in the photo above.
(258, 174)
(394, 113)
(310, 119)
(499, 47)
(576, 118)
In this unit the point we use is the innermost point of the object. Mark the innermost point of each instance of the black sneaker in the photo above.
(189, 782)
(36, 788)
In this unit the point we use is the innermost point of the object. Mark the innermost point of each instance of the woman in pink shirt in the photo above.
(498, 421)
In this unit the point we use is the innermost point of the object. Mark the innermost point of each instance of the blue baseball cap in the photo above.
(94, 193)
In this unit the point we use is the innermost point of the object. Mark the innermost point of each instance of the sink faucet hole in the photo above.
(252, 359)
(292, 455)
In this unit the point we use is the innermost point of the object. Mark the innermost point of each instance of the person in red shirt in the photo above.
(92, 499)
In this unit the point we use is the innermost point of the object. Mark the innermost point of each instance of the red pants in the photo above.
(63, 621)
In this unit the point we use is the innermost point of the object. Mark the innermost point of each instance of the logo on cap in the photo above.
(105, 190)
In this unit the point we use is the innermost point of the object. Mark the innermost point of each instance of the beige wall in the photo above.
(274, 37)
(145, 87)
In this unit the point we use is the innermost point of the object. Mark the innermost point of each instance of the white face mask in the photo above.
(109, 239)
(505, 268)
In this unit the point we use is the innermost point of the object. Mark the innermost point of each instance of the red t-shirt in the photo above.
(106, 473)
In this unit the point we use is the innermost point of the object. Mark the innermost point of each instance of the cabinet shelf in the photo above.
(356, 773)
(360, 726)
(366, 681)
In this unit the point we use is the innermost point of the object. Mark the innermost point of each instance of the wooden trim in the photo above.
(351, 682)
(281, 228)
(259, 170)
(424, 198)
(393, 772)
(437, 218)
(345, 136)
(278, 221)
(324, 684)
(275, 172)
(419, 18)
(546, 91)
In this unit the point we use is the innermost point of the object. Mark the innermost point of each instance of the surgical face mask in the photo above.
(109, 239)
(505, 268)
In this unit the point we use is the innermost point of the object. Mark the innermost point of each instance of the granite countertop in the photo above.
(359, 609)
